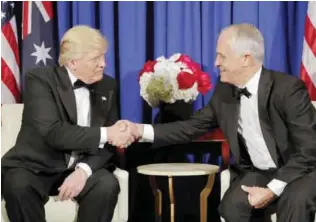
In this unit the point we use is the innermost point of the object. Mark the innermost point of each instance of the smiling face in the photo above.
(239, 53)
(227, 60)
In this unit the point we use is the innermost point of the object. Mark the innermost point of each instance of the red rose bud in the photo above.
(189, 63)
(184, 59)
(204, 82)
(148, 67)
(185, 80)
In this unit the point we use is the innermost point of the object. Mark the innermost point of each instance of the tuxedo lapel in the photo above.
(66, 94)
(231, 108)
(264, 91)
(99, 104)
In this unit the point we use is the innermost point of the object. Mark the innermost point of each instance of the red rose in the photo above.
(194, 66)
(185, 59)
(185, 80)
(148, 67)
(189, 63)
(204, 82)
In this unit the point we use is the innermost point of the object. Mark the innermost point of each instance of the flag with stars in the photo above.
(10, 59)
(38, 36)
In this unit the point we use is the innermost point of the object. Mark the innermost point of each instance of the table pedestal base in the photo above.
(158, 198)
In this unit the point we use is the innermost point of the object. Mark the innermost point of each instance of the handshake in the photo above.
(123, 133)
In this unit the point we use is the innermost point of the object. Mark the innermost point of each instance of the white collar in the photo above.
(253, 84)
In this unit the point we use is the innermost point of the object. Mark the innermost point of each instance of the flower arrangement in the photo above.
(170, 79)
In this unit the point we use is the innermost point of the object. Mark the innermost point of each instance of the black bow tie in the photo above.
(239, 92)
(78, 84)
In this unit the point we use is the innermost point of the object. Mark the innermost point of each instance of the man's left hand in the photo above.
(259, 197)
(73, 185)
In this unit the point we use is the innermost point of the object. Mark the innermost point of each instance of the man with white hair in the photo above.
(270, 124)
(70, 112)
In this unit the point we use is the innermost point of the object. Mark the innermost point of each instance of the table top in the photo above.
(177, 169)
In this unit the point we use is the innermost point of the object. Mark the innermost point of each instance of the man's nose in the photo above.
(216, 62)
(102, 63)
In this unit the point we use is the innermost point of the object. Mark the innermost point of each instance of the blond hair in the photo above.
(79, 40)
(246, 38)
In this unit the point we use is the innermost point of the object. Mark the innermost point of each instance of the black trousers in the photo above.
(297, 203)
(26, 193)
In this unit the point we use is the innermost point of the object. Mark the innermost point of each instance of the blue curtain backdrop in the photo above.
(138, 31)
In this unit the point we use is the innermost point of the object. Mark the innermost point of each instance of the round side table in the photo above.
(179, 169)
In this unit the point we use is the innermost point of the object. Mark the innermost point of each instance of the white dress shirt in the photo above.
(82, 96)
(249, 127)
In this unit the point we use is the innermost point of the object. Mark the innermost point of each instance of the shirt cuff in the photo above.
(85, 167)
(277, 186)
(148, 134)
(103, 137)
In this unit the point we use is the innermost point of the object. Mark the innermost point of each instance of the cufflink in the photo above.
(103, 98)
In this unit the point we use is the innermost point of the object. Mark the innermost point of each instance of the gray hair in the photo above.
(246, 38)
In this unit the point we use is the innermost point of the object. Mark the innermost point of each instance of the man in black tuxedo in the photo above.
(270, 123)
(62, 148)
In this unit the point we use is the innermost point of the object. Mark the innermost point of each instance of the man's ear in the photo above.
(247, 60)
(71, 64)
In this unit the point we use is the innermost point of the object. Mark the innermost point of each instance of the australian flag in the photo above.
(38, 36)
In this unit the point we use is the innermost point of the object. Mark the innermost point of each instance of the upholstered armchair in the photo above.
(56, 211)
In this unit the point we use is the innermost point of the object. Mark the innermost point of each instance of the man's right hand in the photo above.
(123, 133)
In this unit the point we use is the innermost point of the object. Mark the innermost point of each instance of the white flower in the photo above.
(162, 83)
(161, 58)
(175, 57)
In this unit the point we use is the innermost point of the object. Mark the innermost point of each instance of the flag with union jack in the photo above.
(38, 36)
(10, 59)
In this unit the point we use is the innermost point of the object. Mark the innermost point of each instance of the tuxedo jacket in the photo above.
(287, 120)
(49, 130)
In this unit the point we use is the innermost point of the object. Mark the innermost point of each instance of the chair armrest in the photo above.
(122, 202)
(225, 181)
